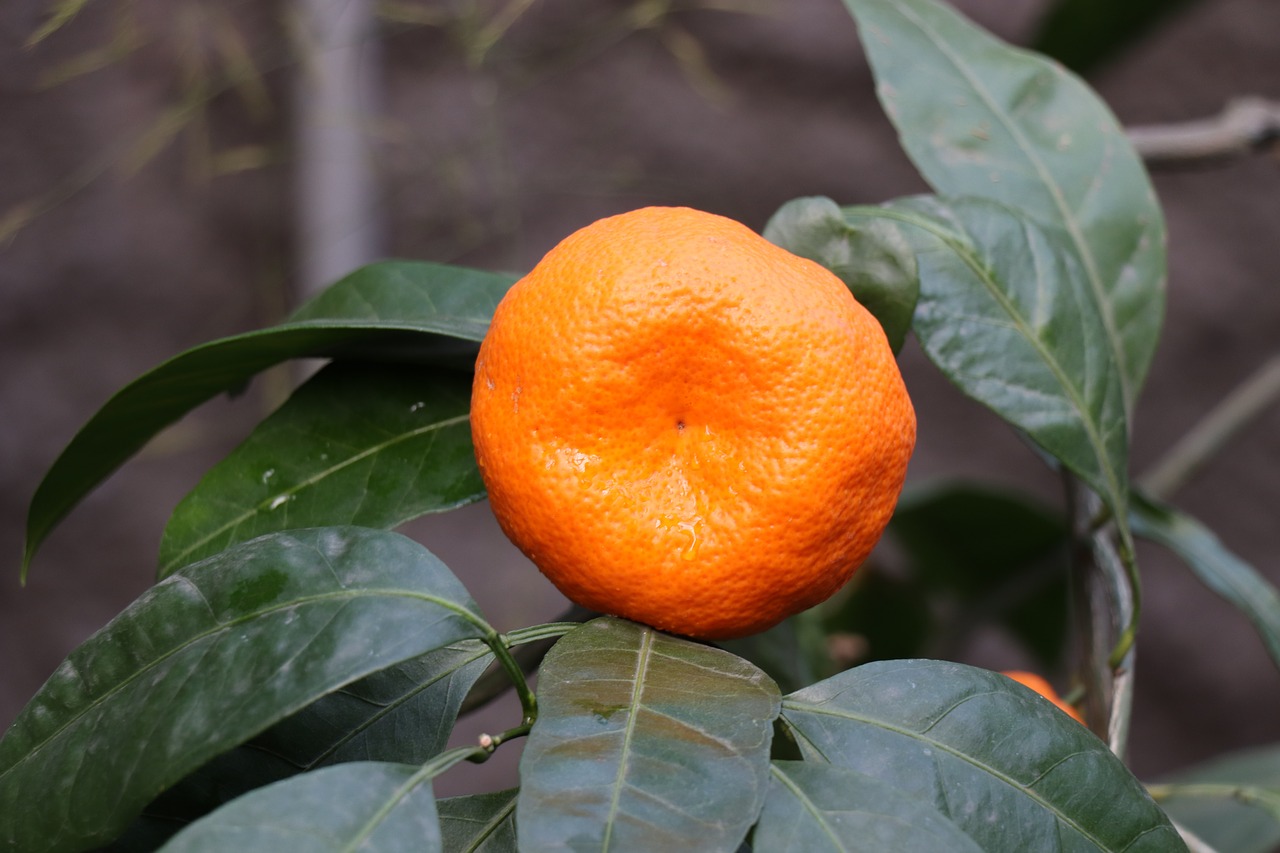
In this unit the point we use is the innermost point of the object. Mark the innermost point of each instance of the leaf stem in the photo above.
(1124, 549)
(1223, 422)
(502, 652)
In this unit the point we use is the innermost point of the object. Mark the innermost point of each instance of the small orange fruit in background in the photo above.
(685, 425)
(1045, 689)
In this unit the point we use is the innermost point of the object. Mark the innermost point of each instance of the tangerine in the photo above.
(685, 425)
(1040, 685)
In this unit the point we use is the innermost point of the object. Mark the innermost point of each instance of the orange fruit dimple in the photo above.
(683, 424)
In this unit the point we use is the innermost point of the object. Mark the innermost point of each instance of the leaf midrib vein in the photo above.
(222, 627)
(312, 480)
(1055, 192)
(947, 748)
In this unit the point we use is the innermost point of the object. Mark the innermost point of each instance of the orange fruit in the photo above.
(684, 425)
(1045, 689)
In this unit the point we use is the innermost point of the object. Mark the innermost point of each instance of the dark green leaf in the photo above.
(1005, 765)
(1082, 34)
(990, 556)
(209, 658)
(1006, 314)
(1216, 801)
(871, 257)
(644, 742)
(404, 713)
(481, 823)
(361, 443)
(981, 118)
(881, 617)
(428, 312)
(813, 807)
(1220, 570)
(369, 806)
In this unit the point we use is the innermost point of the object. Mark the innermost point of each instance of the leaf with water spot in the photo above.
(209, 658)
(981, 118)
(1007, 767)
(402, 310)
(361, 443)
(644, 741)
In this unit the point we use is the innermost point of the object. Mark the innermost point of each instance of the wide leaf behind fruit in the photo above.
(644, 742)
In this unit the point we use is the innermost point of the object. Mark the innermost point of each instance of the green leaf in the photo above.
(1083, 34)
(404, 713)
(1217, 568)
(1218, 800)
(981, 118)
(367, 805)
(373, 445)
(812, 807)
(427, 312)
(644, 742)
(872, 258)
(480, 823)
(209, 658)
(988, 555)
(1000, 761)
(1005, 313)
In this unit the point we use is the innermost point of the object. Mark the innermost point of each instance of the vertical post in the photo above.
(337, 219)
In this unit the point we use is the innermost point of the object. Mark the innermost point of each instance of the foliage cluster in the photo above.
(292, 679)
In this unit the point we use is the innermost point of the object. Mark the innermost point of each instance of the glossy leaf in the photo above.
(1006, 314)
(981, 118)
(368, 806)
(814, 807)
(480, 823)
(871, 257)
(1216, 800)
(1010, 769)
(644, 742)
(409, 310)
(209, 658)
(1214, 564)
(369, 444)
(404, 713)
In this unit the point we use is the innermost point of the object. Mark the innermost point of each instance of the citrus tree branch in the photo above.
(1245, 125)
(1215, 430)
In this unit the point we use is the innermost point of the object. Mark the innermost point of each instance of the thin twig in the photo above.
(1224, 421)
(1245, 125)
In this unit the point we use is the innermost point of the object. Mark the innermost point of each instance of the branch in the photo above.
(1251, 398)
(1245, 125)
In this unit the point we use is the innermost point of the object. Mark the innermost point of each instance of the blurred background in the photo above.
(173, 171)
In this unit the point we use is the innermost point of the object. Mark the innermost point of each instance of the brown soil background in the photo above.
(571, 118)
